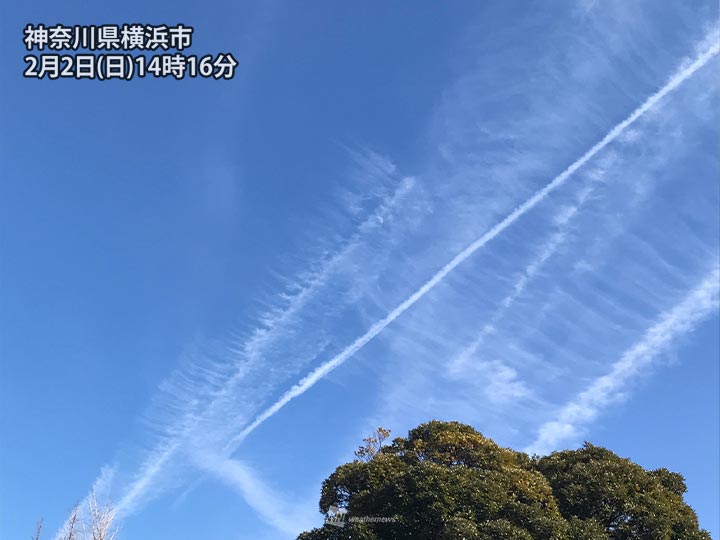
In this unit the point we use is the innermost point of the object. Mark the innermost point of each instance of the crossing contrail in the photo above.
(318, 373)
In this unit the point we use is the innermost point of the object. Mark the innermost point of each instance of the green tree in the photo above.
(447, 481)
(628, 501)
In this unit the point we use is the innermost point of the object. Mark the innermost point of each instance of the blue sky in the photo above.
(503, 213)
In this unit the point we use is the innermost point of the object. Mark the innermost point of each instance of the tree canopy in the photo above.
(446, 481)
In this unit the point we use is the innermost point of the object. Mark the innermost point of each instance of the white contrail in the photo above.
(701, 302)
(548, 250)
(457, 364)
(313, 377)
(286, 515)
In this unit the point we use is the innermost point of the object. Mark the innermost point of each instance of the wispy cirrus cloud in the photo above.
(321, 371)
(560, 307)
(521, 278)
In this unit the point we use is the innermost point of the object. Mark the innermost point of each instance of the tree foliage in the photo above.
(447, 481)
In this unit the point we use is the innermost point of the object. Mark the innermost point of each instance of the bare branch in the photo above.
(39, 530)
(72, 524)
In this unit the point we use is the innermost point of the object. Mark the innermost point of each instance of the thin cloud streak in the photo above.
(313, 377)
(684, 317)
(269, 505)
(549, 249)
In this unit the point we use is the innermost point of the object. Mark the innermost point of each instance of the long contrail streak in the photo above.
(313, 377)
(697, 305)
